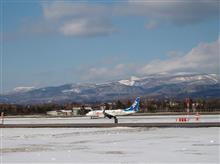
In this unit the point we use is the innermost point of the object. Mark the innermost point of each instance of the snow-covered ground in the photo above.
(125, 119)
(111, 145)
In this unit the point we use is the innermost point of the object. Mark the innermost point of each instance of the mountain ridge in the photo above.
(156, 86)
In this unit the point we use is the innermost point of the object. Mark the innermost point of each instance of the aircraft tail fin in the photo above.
(134, 106)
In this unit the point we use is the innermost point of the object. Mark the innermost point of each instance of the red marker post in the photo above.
(2, 117)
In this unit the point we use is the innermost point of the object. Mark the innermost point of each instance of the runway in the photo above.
(135, 139)
(110, 125)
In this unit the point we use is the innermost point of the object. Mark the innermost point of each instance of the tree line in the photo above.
(146, 105)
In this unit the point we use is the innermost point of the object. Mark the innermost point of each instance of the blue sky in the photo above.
(48, 43)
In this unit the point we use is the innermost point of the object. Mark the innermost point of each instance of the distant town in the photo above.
(147, 105)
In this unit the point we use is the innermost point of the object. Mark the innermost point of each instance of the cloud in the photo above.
(174, 53)
(85, 27)
(151, 25)
(177, 11)
(106, 73)
(67, 9)
(203, 58)
(79, 19)
(67, 17)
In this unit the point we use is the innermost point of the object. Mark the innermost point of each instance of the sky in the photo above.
(50, 43)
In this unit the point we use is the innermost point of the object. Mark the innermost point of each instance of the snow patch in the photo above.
(129, 82)
(23, 89)
(76, 90)
(213, 77)
(190, 78)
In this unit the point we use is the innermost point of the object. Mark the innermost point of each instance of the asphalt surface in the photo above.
(109, 125)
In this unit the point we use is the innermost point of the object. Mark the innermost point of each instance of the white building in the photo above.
(76, 110)
(60, 113)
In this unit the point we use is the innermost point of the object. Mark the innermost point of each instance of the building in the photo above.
(76, 111)
(60, 113)
(52, 113)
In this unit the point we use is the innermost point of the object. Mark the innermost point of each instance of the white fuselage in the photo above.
(116, 112)
(96, 113)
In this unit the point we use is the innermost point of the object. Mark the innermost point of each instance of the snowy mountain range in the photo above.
(156, 86)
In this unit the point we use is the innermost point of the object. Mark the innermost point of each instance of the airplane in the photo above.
(114, 113)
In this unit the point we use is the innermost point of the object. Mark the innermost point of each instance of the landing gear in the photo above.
(110, 117)
(115, 119)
